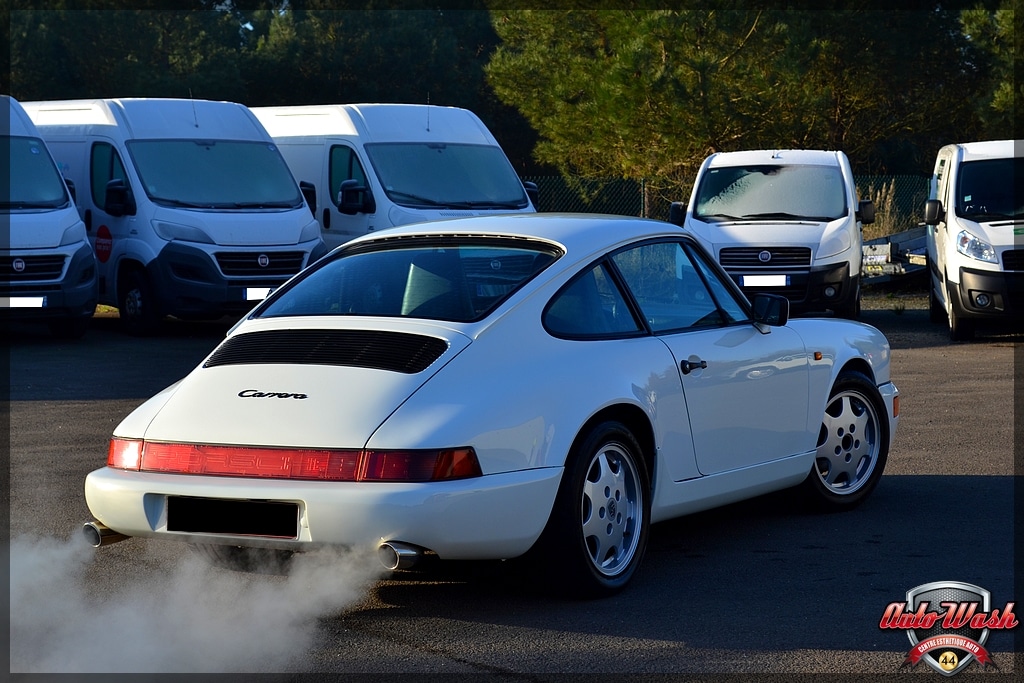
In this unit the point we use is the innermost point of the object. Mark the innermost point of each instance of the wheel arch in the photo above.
(639, 425)
(857, 365)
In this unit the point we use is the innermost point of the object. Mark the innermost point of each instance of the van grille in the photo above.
(1013, 259)
(394, 351)
(247, 263)
(43, 267)
(749, 257)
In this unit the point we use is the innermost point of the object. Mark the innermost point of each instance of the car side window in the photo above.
(105, 165)
(591, 305)
(345, 165)
(730, 307)
(668, 287)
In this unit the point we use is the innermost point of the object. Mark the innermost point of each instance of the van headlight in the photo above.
(973, 247)
(181, 233)
(74, 234)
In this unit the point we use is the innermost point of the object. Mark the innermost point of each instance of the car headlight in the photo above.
(971, 246)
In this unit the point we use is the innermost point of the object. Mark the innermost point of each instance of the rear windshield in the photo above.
(441, 280)
(769, 191)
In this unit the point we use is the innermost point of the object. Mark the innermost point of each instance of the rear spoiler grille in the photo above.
(393, 351)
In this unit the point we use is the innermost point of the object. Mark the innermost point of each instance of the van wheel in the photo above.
(960, 328)
(137, 305)
(936, 313)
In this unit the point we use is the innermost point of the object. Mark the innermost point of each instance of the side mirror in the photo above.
(118, 199)
(866, 211)
(770, 309)
(933, 212)
(354, 198)
(533, 192)
(308, 190)
(677, 213)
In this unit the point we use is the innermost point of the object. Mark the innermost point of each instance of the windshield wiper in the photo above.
(416, 198)
(786, 216)
(723, 216)
(177, 202)
(261, 205)
(990, 216)
(31, 205)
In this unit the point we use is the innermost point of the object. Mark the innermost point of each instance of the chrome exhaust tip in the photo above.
(98, 534)
(397, 555)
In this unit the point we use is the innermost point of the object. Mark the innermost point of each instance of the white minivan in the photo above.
(975, 236)
(190, 207)
(785, 222)
(367, 167)
(49, 270)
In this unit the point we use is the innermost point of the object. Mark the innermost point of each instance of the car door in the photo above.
(108, 233)
(343, 164)
(745, 385)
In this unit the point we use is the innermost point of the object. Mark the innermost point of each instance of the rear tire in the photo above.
(597, 533)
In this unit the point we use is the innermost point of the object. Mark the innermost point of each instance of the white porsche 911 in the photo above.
(487, 387)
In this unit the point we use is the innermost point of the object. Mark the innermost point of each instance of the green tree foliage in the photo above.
(648, 94)
(112, 52)
(992, 32)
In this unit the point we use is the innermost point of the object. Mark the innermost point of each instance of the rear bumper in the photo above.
(492, 517)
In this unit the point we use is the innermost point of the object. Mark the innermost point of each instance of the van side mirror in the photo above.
(71, 190)
(354, 198)
(308, 190)
(933, 212)
(770, 309)
(118, 199)
(866, 211)
(533, 193)
(677, 213)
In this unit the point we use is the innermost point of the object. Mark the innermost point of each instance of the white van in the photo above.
(786, 222)
(975, 237)
(49, 270)
(190, 208)
(375, 166)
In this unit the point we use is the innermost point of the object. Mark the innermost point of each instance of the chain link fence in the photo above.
(898, 199)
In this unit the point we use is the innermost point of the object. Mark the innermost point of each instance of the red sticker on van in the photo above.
(104, 243)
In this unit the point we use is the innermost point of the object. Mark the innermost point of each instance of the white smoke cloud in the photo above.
(186, 618)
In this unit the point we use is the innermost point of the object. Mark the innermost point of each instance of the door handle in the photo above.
(688, 366)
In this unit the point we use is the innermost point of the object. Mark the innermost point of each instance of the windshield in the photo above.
(450, 280)
(990, 189)
(32, 180)
(447, 175)
(771, 191)
(215, 174)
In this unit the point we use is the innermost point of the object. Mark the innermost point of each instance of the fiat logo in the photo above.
(263, 260)
(765, 256)
(18, 265)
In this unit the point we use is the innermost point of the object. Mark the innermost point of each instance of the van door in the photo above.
(343, 164)
(108, 233)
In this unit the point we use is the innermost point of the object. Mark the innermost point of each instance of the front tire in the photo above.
(853, 445)
(597, 533)
(136, 303)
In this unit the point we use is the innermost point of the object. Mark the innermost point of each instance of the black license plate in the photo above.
(236, 517)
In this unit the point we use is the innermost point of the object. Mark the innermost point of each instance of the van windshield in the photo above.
(990, 189)
(32, 179)
(215, 174)
(771, 191)
(431, 175)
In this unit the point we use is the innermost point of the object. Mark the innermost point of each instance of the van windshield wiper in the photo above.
(786, 216)
(425, 201)
(260, 205)
(990, 216)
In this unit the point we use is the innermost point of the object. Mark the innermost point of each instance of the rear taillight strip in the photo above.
(293, 463)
